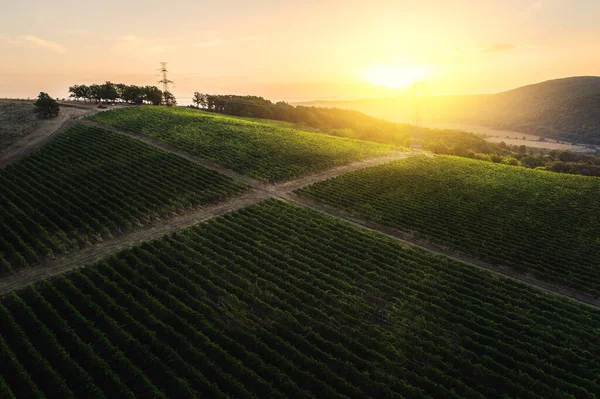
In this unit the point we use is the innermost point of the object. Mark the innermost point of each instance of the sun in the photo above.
(395, 76)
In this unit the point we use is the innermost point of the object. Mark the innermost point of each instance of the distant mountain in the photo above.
(566, 108)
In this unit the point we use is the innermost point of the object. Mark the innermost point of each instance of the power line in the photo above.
(165, 81)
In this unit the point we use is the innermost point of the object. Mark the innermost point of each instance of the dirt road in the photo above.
(44, 132)
(261, 191)
(161, 227)
(413, 241)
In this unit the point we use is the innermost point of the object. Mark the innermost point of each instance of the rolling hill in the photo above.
(113, 283)
(566, 109)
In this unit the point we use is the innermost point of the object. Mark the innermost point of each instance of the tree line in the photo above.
(119, 92)
(357, 125)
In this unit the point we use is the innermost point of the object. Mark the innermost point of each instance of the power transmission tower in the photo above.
(165, 81)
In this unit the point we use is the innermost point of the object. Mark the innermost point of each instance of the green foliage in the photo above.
(90, 183)
(356, 125)
(169, 99)
(118, 91)
(534, 221)
(264, 150)
(46, 106)
(344, 122)
(280, 301)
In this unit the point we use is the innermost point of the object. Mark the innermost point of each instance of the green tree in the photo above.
(153, 95)
(133, 94)
(46, 106)
(108, 92)
(78, 92)
(199, 99)
(169, 99)
(95, 92)
(531, 162)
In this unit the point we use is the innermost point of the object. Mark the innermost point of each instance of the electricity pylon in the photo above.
(165, 81)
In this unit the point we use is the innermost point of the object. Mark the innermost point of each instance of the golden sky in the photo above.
(297, 50)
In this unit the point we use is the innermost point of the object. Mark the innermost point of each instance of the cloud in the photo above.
(8, 40)
(498, 47)
(38, 42)
(33, 41)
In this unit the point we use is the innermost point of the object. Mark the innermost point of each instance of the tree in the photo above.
(46, 106)
(169, 99)
(199, 99)
(531, 162)
(85, 93)
(95, 93)
(120, 88)
(108, 92)
(133, 94)
(77, 92)
(153, 95)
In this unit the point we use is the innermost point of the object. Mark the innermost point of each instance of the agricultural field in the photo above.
(280, 301)
(17, 120)
(90, 183)
(534, 221)
(264, 150)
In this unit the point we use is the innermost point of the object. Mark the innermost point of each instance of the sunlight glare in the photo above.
(395, 76)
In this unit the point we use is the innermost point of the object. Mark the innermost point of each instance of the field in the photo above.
(537, 222)
(88, 184)
(265, 150)
(277, 300)
(17, 120)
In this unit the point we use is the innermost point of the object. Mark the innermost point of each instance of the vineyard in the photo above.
(265, 150)
(534, 221)
(89, 184)
(280, 301)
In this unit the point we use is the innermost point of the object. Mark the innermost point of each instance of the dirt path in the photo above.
(102, 249)
(164, 146)
(43, 133)
(261, 191)
(161, 227)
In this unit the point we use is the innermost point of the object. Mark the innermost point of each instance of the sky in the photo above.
(297, 50)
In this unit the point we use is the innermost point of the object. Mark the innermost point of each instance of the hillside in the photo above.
(135, 262)
(90, 184)
(566, 108)
(543, 223)
(278, 301)
(17, 120)
(262, 149)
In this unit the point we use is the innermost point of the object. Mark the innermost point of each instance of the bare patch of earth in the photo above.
(17, 120)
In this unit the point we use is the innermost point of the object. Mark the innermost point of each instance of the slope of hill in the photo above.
(535, 221)
(17, 120)
(90, 183)
(262, 149)
(280, 301)
(566, 108)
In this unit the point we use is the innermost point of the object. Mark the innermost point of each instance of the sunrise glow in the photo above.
(395, 76)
